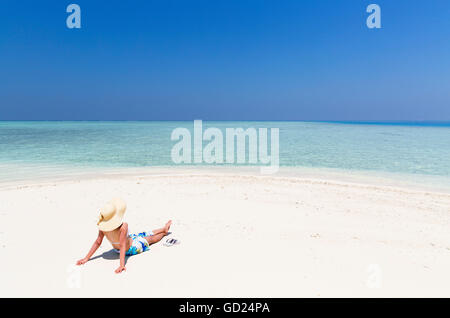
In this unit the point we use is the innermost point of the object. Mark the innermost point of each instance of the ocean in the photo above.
(31, 149)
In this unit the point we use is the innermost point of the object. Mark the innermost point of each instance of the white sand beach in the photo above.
(241, 235)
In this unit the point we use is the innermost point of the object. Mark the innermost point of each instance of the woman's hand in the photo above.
(120, 269)
(82, 261)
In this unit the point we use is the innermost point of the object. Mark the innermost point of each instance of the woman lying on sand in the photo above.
(110, 224)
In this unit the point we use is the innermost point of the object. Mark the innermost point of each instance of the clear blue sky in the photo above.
(225, 60)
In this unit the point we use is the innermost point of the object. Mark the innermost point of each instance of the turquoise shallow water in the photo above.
(47, 148)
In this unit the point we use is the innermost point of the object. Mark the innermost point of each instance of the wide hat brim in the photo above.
(111, 224)
(116, 206)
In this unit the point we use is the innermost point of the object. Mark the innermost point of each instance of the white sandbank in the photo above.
(243, 235)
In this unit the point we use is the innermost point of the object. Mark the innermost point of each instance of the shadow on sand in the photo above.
(110, 255)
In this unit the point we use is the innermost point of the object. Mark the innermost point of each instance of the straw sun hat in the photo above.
(111, 215)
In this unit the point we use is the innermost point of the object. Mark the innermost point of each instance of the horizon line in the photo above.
(367, 122)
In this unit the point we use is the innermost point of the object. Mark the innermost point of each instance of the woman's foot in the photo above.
(167, 227)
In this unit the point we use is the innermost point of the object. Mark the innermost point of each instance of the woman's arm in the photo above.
(94, 247)
(123, 246)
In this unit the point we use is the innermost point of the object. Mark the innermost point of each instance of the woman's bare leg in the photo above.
(152, 239)
(164, 229)
(158, 234)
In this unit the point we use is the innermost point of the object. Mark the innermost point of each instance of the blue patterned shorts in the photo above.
(139, 244)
